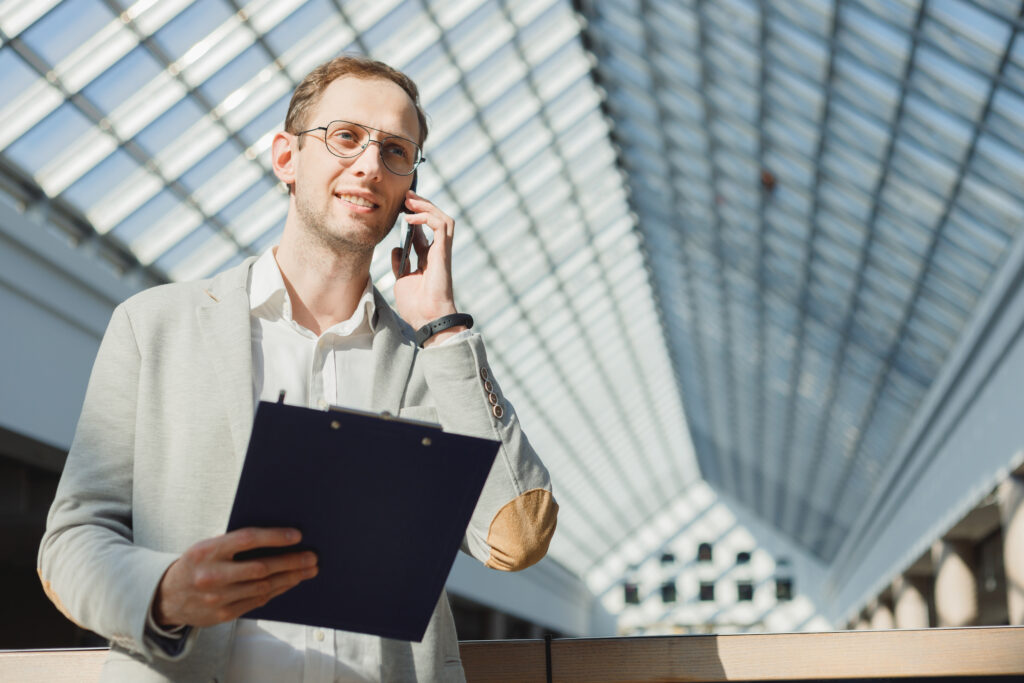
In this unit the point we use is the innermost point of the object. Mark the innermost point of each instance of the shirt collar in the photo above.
(268, 298)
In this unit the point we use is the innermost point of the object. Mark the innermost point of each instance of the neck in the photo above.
(324, 285)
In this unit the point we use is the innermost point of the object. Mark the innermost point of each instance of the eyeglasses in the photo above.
(345, 139)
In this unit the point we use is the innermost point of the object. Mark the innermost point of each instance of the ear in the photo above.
(281, 157)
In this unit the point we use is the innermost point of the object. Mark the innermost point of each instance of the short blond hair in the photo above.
(308, 92)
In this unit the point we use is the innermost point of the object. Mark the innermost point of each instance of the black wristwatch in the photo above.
(442, 323)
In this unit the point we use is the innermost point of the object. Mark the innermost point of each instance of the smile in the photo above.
(358, 201)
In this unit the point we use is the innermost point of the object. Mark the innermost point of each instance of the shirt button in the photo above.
(318, 634)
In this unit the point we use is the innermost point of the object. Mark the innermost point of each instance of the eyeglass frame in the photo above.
(369, 139)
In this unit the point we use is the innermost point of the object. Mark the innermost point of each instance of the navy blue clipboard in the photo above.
(384, 503)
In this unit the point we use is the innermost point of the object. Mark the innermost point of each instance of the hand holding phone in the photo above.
(403, 266)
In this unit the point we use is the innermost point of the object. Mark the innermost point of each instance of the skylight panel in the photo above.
(409, 42)
(166, 233)
(179, 35)
(88, 189)
(484, 175)
(95, 55)
(48, 139)
(948, 84)
(76, 159)
(189, 245)
(254, 98)
(265, 15)
(495, 76)
(17, 15)
(27, 109)
(478, 36)
(330, 38)
(992, 205)
(60, 31)
(1006, 116)
(242, 69)
(198, 141)
(974, 25)
(523, 12)
(216, 50)
(124, 200)
(364, 14)
(998, 164)
(110, 90)
(204, 259)
(233, 179)
(449, 13)
(549, 32)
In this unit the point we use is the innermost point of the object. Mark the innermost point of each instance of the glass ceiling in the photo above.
(824, 191)
(142, 132)
(782, 214)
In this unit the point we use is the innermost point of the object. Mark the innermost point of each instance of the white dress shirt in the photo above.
(335, 368)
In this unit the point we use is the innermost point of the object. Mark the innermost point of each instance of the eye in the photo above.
(346, 137)
(397, 150)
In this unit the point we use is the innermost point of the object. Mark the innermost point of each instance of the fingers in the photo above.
(422, 247)
(238, 608)
(268, 587)
(234, 542)
(230, 572)
(427, 214)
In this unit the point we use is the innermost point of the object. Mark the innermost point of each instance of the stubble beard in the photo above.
(331, 232)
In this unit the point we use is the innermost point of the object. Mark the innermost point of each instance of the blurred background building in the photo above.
(750, 271)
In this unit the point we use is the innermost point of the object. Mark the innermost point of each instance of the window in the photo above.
(783, 589)
(668, 558)
(632, 593)
(707, 591)
(743, 558)
(704, 552)
(744, 591)
(668, 591)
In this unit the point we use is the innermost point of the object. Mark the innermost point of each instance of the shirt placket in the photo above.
(322, 385)
(320, 646)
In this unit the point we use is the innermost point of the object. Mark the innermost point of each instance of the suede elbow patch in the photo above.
(55, 599)
(521, 531)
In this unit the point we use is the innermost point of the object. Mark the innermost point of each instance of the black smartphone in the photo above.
(407, 240)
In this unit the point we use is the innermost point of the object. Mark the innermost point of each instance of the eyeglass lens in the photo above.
(346, 139)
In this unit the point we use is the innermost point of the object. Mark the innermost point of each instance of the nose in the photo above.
(369, 162)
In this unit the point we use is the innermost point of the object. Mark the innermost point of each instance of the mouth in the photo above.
(357, 200)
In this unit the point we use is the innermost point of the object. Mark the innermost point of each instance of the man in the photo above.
(135, 547)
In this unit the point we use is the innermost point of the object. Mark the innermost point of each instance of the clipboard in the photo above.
(384, 503)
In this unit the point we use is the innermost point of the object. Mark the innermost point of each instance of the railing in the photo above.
(996, 651)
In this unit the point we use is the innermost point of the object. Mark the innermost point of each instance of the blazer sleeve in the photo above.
(515, 517)
(88, 564)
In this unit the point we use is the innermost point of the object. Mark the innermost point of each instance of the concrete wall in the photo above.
(56, 301)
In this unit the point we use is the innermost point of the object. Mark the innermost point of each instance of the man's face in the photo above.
(351, 204)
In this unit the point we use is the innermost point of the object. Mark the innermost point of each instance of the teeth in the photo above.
(358, 201)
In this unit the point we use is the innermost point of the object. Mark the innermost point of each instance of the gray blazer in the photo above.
(159, 448)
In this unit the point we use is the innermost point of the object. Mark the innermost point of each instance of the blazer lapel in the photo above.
(393, 355)
(227, 338)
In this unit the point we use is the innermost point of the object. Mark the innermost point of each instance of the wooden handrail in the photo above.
(981, 651)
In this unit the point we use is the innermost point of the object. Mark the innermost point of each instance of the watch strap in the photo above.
(442, 323)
